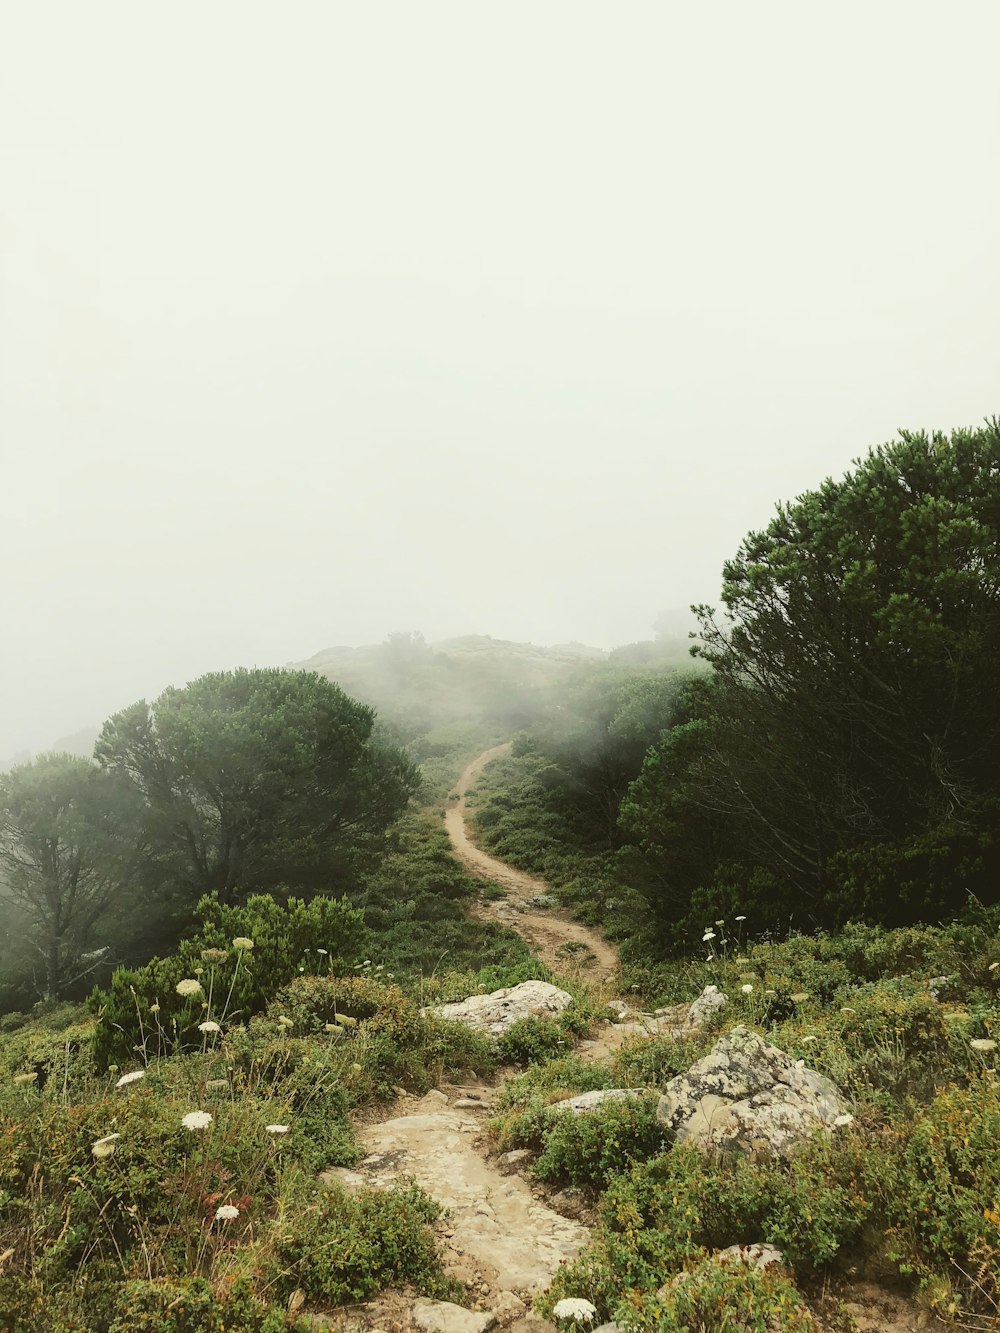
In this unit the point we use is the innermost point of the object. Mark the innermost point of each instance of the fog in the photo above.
(325, 320)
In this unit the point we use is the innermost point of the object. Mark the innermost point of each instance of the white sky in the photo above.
(321, 320)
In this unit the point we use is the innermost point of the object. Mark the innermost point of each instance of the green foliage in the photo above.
(195, 1306)
(348, 1247)
(838, 761)
(588, 1150)
(716, 1297)
(256, 778)
(141, 1013)
(531, 1040)
(942, 1203)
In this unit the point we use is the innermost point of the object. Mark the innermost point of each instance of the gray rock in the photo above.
(589, 1101)
(748, 1096)
(709, 1003)
(936, 985)
(471, 1104)
(496, 1012)
(513, 1160)
(618, 1009)
(443, 1317)
(757, 1255)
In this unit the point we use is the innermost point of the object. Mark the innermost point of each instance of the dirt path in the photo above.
(563, 944)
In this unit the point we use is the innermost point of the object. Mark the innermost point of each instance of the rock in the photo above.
(611, 1327)
(443, 1317)
(513, 1160)
(532, 1324)
(471, 1104)
(507, 1306)
(748, 1096)
(757, 1255)
(589, 1101)
(936, 985)
(710, 1002)
(618, 1008)
(496, 1012)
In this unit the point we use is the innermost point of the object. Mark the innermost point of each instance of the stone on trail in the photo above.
(590, 1101)
(443, 1317)
(750, 1097)
(496, 1012)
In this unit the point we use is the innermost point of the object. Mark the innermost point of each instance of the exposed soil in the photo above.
(559, 941)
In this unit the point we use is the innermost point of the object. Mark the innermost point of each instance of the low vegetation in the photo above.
(240, 909)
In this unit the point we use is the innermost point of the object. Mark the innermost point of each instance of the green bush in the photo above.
(942, 1202)
(531, 1041)
(194, 1306)
(141, 1013)
(715, 1297)
(348, 1247)
(588, 1150)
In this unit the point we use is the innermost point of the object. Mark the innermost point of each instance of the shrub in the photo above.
(348, 1247)
(235, 983)
(588, 1150)
(942, 1204)
(532, 1040)
(194, 1306)
(715, 1297)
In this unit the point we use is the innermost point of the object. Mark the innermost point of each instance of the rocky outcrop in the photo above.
(748, 1096)
(496, 1012)
(757, 1255)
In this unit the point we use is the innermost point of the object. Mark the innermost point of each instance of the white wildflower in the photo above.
(324, 952)
(284, 1022)
(277, 1129)
(241, 942)
(747, 989)
(134, 1077)
(333, 1027)
(228, 1212)
(993, 967)
(722, 922)
(154, 1008)
(741, 918)
(188, 987)
(806, 1040)
(209, 1025)
(102, 1148)
(843, 1120)
(571, 1307)
(983, 1044)
(708, 935)
(800, 997)
(25, 1078)
(196, 1120)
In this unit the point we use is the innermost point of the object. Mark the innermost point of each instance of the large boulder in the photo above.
(748, 1096)
(496, 1012)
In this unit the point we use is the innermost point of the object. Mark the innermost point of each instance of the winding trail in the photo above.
(562, 943)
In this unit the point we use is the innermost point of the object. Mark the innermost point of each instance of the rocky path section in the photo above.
(498, 1237)
(563, 944)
